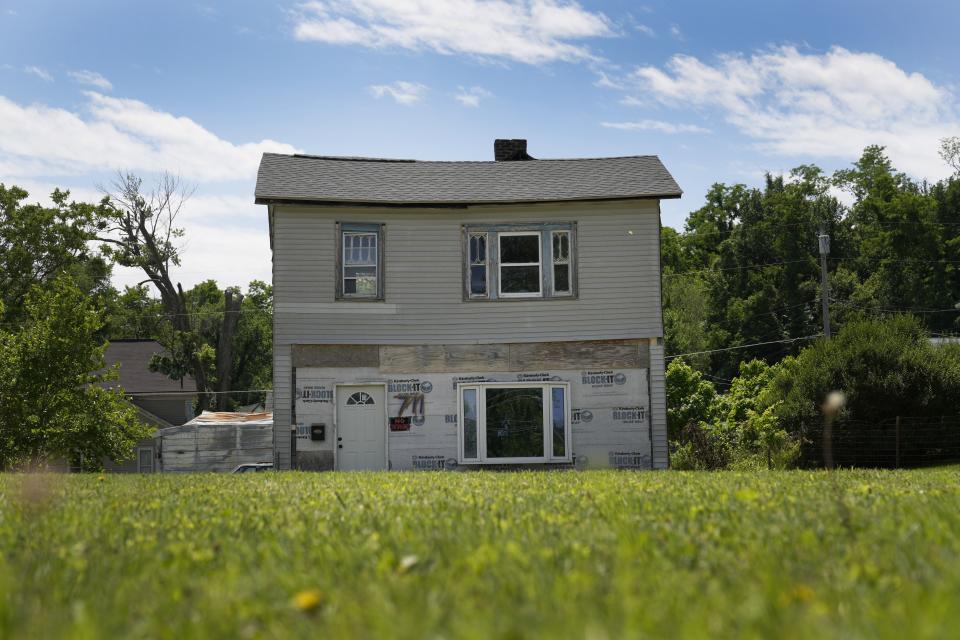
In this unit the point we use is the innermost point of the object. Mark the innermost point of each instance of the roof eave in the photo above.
(458, 204)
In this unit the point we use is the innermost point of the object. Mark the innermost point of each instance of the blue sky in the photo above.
(720, 91)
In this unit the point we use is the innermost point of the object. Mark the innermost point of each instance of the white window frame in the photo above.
(538, 264)
(343, 263)
(546, 388)
(485, 264)
(568, 262)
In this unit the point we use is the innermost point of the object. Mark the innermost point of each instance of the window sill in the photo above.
(514, 461)
(523, 299)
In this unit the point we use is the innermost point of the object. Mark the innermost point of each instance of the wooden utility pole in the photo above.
(824, 242)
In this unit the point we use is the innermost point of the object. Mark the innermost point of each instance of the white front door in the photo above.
(361, 427)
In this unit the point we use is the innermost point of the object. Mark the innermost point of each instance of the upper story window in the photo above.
(519, 261)
(560, 252)
(520, 266)
(360, 261)
(477, 257)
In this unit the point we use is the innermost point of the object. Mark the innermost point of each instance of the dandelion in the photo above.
(308, 600)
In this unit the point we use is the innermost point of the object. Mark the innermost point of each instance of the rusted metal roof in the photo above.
(231, 417)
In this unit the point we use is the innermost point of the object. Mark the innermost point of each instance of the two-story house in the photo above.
(452, 314)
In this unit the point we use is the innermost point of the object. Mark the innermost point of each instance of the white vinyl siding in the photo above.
(618, 276)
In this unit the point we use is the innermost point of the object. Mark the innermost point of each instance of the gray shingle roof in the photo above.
(409, 182)
(135, 375)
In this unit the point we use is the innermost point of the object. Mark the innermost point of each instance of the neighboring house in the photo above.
(437, 314)
(216, 441)
(161, 401)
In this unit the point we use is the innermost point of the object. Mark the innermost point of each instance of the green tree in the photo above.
(55, 398)
(251, 365)
(143, 234)
(253, 341)
(745, 270)
(133, 315)
(40, 243)
(897, 247)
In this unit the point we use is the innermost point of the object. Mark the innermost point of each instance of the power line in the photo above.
(748, 266)
(867, 306)
(162, 315)
(741, 227)
(896, 261)
(745, 346)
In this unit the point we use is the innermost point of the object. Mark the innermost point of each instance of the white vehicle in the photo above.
(254, 467)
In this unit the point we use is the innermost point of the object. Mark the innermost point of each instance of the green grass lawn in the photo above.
(482, 555)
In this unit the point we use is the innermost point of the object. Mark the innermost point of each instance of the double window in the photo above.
(503, 423)
(360, 261)
(501, 262)
(519, 261)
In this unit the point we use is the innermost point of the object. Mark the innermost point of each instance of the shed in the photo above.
(216, 441)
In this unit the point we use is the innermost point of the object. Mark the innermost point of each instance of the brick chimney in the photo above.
(506, 150)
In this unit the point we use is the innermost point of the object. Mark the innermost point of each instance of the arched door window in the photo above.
(360, 398)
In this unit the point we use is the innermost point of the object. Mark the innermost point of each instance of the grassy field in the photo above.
(482, 555)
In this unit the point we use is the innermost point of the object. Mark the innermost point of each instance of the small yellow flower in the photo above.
(102, 478)
(803, 593)
(308, 600)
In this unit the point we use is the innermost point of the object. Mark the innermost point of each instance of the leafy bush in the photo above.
(885, 368)
(735, 429)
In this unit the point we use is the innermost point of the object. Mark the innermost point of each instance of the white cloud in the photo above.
(91, 78)
(529, 31)
(655, 125)
(229, 254)
(604, 81)
(226, 236)
(114, 133)
(644, 29)
(675, 32)
(825, 105)
(40, 72)
(226, 233)
(405, 93)
(471, 97)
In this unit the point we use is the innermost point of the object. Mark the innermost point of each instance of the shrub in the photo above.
(885, 368)
(711, 431)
